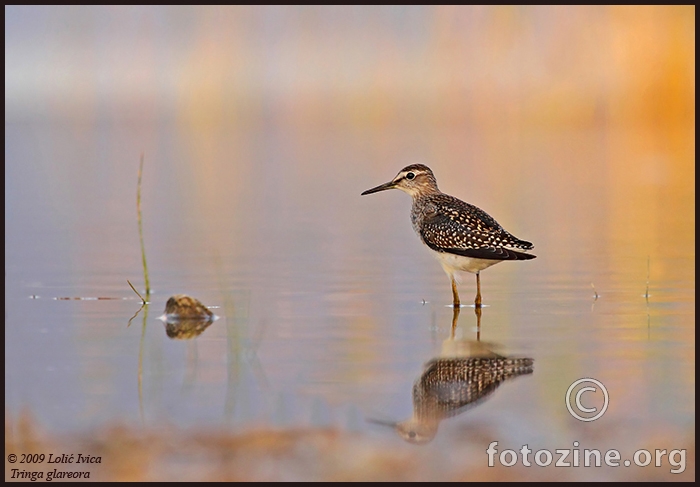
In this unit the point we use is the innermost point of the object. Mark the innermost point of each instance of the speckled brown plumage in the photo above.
(448, 386)
(447, 224)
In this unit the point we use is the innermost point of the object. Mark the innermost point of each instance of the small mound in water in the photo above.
(182, 306)
(186, 317)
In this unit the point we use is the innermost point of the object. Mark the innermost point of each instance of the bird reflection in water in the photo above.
(463, 375)
(185, 317)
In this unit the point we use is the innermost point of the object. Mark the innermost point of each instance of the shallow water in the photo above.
(328, 305)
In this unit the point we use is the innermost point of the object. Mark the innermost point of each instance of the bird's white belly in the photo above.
(452, 262)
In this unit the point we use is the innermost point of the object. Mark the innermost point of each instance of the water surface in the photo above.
(329, 307)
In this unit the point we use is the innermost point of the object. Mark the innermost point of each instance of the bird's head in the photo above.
(415, 180)
(413, 430)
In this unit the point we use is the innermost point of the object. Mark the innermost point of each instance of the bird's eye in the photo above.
(412, 434)
(410, 175)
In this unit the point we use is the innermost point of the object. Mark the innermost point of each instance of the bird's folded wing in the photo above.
(443, 234)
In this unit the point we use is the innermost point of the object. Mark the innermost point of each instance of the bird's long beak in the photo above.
(391, 424)
(381, 187)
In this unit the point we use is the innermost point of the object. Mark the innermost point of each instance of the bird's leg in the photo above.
(455, 296)
(455, 317)
(477, 312)
(477, 300)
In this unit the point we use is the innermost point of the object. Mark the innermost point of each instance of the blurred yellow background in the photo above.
(345, 66)
(578, 121)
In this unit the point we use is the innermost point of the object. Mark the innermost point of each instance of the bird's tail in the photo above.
(521, 244)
